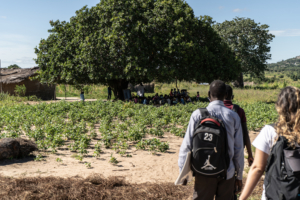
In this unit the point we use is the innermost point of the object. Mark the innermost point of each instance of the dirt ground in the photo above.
(140, 168)
(143, 170)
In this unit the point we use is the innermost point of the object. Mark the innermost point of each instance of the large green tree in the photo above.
(250, 43)
(117, 42)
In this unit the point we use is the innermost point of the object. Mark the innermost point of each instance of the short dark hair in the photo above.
(229, 91)
(218, 89)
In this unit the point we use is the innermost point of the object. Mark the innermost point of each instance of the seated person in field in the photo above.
(168, 100)
(162, 101)
(135, 99)
(178, 92)
(175, 101)
(188, 100)
(198, 96)
(156, 98)
(145, 101)
(182, 100)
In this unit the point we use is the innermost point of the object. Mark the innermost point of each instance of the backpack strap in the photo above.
(204, 112)
(235, 108)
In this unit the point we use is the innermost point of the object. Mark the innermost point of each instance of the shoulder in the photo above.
(231, 113)
(269, 131)
(196, 115)
(265, 139)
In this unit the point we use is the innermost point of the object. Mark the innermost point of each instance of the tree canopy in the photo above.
(249, 41)
(14, 66)
(117, 42)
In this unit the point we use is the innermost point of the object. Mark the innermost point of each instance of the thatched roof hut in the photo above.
(9, 78)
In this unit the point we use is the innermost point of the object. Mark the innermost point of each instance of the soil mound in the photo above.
(16, 148)
(92, 187)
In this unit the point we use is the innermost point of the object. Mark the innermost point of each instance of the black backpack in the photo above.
(210, 147)
(282, 178)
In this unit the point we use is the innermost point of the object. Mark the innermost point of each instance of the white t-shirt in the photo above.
(169, 101)
(264, 142)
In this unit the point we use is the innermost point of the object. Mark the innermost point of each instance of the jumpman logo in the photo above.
(207, 165)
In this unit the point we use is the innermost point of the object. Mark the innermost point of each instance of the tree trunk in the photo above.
(15, 148)
(118, 86)
(239, 82)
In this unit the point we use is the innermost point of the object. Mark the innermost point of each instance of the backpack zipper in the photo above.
(212, 148)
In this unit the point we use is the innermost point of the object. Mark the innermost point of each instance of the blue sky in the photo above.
(24, 23)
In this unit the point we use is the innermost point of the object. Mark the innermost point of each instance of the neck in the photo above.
(215, 99)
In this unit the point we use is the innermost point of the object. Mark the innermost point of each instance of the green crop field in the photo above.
(56, 124)
(120, 125)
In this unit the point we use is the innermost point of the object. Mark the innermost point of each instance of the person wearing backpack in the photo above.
(214, 136)
(277, 152)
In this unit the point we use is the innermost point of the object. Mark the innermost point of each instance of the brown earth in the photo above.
(144, 176)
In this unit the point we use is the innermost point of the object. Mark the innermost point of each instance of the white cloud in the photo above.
(221, 7)
(286, 32)
(17, 49)
(3, 17)
(237, 10)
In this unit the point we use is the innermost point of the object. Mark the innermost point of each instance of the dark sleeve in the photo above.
(242, 115)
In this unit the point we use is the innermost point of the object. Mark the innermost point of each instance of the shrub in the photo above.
(20, 90)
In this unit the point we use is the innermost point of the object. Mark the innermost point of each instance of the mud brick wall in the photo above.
(33, 87)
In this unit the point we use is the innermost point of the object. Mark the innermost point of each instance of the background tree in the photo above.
(14, 66)
(249, 41)
(117, 42)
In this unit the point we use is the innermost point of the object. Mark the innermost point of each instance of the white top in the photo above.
(140, 91)
(169, 101)
(264, 142)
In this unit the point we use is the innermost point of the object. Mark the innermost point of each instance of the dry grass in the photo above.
(96, 187)
(93, 187)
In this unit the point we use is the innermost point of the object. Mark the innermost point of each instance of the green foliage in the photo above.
(122, 125)
(39, 157)
(88, 165)
(249, 41)
(259, 114)
(125, 41)
(113, 160)
(153, 145)
(14, 66)
(20, 90)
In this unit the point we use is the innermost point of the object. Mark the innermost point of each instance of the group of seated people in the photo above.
(163, 99)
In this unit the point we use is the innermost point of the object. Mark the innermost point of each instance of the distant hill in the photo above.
(292, 64)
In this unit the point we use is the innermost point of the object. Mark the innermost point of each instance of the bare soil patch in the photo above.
(142, 176)
(140, 168)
